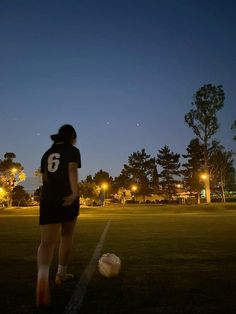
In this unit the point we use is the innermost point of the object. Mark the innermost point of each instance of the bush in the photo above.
(169, 202)
(131, 202)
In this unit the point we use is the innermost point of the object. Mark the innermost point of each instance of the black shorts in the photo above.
(52, 212)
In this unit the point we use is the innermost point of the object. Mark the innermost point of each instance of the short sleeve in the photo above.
(42, 166)
(75, 156)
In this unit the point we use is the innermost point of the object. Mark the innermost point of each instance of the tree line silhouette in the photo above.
(206, 163)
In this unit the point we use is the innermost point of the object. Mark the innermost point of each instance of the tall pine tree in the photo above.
(169, 161)
(193, 167)
(155, 180)
(139, 170)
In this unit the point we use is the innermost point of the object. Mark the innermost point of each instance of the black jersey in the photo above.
(54, 166)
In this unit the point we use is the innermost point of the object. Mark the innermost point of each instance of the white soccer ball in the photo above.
(109, 265)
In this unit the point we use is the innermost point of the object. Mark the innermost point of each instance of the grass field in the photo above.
(175, 259)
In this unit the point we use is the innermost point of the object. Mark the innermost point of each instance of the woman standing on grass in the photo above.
(59, 208)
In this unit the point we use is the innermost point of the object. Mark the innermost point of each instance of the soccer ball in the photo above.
(109, 265)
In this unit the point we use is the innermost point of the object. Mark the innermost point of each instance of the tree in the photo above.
(37, 193)
(10, 156)
(124, 194)
(193, 167)
(233, 127)
(3, 197)
(103, 177)
(89, 179)
(20, 196)
(122, 181)
(155, 180)
(170, 164)
(202, 119)
(11, 174)
(139, 171)
(38, 175)
(89, 189)
(222, 168)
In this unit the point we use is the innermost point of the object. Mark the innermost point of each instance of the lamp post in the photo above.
(105, 187)
(178, 186)
(205, 179)
(14, 170)
(134, 189)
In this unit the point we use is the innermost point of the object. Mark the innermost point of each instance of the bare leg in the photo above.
(49, 235)
(66, 242)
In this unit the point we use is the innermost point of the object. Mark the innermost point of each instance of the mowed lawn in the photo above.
(175, 259)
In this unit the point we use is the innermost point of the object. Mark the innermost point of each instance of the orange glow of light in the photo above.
(204, 176)
(105, 186)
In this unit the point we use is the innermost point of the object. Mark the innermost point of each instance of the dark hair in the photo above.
(65, 134)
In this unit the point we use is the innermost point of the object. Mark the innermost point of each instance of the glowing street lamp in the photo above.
(204, 176)
(178, 186)
(134, 189)
(14, 170)
(104, 187)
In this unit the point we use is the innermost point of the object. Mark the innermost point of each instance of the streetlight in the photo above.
(14, 170)
(205, 179)
(204, 176)
(105, 187)
(134, 189)
(178, 186)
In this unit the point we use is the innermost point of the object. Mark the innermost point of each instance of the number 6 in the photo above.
(53, 162)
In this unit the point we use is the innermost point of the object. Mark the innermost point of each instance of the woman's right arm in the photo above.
(73, 179)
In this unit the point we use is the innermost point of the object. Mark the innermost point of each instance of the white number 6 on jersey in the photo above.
(53, 162)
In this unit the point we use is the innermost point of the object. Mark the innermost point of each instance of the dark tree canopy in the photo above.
(20, 196)
(88, 189)
(102, 177)
(7, 163)
(139, 170)
(222, 168)
(233, 127)
(207, 101)
(202, 118)
(193, 167)
(155, 180)
(170, 164)
(10, 156)
(122, 181)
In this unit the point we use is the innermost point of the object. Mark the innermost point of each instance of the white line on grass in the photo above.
(81, 287)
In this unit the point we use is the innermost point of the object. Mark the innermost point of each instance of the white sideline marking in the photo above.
(81, 287)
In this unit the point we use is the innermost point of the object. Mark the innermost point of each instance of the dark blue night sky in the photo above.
(122, 72)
